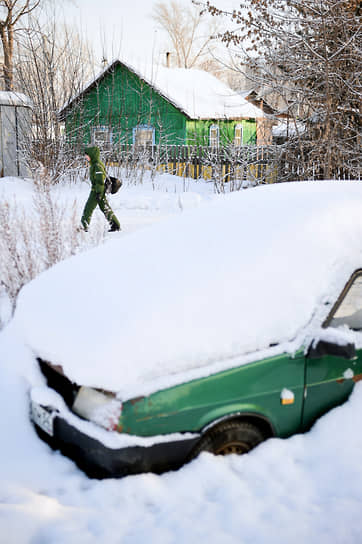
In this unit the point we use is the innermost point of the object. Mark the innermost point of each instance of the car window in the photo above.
(349, 311)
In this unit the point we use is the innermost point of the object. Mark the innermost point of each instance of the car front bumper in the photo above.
(96, 458)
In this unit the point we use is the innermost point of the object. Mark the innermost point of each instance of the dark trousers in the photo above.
(94, 200)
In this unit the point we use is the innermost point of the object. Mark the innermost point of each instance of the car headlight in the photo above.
(98, 406)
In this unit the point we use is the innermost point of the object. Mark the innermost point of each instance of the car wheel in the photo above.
(229, 437)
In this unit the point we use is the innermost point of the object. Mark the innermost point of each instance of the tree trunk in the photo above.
(7, 38)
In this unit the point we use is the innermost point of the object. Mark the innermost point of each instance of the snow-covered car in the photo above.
(211, 331)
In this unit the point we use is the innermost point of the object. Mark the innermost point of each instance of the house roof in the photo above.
(288, 128)
(259, 101)
(11, 98)
(196, 93)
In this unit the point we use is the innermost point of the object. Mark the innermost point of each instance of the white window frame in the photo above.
(140, 128)
(238, 140)
(104, 141)
(214, 139)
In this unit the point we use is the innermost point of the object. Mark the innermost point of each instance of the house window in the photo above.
(238, 136)
(101, 137)
(144, 136)
(214, 136)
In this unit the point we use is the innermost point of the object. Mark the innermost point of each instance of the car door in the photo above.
(334, 364)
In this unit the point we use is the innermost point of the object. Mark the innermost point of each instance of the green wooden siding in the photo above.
(197, 132)
(121, 101)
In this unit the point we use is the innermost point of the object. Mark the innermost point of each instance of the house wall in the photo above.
(197, 132)
(264, 131)
(122, 101)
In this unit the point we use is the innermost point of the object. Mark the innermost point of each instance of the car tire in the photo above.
(230, 437)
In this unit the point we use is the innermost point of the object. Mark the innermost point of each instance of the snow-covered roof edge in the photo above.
(12, 98)
(151, 81)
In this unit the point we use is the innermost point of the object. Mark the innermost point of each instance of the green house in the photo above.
(128, 106)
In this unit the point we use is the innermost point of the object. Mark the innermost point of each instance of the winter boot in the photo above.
(114, 227)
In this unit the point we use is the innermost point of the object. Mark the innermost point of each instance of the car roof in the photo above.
(169, 302)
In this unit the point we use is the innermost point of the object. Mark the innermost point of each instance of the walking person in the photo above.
(97, 196)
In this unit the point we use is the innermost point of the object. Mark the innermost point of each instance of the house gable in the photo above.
(121, 101)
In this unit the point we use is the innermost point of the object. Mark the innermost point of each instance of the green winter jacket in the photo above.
(97, 171)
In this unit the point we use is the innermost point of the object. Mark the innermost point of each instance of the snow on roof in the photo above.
(285, 128)
(201, 95)
(197, 93)
(198, 292)
(10, 98)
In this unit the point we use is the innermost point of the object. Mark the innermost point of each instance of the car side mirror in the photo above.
(323, 347)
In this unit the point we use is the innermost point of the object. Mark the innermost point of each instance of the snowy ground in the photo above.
(304, 489)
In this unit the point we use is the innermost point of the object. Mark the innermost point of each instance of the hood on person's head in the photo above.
(93, 153)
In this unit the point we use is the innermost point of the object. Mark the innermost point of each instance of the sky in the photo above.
(122, 27)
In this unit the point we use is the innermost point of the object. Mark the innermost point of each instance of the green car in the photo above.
(232, 401)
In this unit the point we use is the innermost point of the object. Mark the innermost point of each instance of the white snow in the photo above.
(5, 307)
(348, 374)
(136, 314)
(111, 439)
(304, 489)
(285, 129)
(197, 93)
(201, 95)
(287, 394)
(11, 98)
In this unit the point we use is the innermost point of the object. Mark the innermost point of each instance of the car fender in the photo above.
(245, 413)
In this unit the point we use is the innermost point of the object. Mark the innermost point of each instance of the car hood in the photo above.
(167, 303)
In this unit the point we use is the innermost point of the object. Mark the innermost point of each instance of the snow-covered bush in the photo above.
(33, 238)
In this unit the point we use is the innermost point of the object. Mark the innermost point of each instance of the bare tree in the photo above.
(11, 11)
(52, 66)
(34, 237)
(190, 32)
(309, 54)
